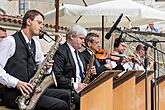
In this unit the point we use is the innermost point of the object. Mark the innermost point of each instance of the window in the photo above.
(160, 0)
(23, 6)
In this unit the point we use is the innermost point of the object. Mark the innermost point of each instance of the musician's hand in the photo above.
(93, 70)
(24, 87)
(49, 64)
(126, 59)
(108, 66)
(82, 85)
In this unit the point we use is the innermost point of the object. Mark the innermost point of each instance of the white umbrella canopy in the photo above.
(67, 10)
(70, 13)
(139, 14)
(82, 2)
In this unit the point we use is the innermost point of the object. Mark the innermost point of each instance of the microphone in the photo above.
(154, 41)
(108, 35)
(41, 36)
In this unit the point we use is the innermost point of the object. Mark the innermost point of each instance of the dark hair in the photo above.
(1, 28)
(89, 37)
(30, 14)
(117, 42)
(138, 47)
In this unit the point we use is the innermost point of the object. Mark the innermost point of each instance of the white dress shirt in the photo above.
(78, 78)
(7, 50)
(128, 66)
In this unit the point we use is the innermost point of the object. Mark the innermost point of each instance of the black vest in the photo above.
(22, 64)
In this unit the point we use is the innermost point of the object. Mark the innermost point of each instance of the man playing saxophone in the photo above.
(69, 62)
(20, 56)
(93, 45)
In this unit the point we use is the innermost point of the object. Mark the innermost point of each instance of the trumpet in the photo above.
(135, 59)
(152, 59)
(149, 56)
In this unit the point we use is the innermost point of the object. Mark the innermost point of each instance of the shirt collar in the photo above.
(71, 48)
(25, 37)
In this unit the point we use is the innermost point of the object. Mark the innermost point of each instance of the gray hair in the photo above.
(76, 30)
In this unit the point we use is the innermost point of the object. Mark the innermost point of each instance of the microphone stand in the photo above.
(146, 45)
(156, 80)
(154, 42)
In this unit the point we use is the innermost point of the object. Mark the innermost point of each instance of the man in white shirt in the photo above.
(138, 58)
(119, 49)
(20, 56)
(3, 35)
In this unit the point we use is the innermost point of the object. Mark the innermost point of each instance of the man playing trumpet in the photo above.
(137, 62)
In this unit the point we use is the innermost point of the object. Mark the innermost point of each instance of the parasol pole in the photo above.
(57, 15)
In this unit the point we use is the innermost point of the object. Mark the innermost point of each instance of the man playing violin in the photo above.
(93, 43)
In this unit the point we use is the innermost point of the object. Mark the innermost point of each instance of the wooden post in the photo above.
(103, 32)
(57, 15)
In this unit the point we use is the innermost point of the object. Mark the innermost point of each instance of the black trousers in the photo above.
(52, 99)
(76, 98)
(1, 94)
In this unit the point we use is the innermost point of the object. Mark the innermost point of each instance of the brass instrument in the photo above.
(152, 59)
(40, 81)
(88, 74)
(136, 59)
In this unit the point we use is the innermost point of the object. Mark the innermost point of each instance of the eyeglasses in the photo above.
(124, 45)
(39, 22)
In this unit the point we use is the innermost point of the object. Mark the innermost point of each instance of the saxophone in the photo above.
(88, 74)
(40, 81)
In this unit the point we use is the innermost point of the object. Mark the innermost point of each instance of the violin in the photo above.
(102, 55)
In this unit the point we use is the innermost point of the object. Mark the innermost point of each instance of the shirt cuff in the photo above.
(75, 85)
(77, 88)
(12, 82)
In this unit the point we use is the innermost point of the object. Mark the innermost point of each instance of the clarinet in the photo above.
(72, 104)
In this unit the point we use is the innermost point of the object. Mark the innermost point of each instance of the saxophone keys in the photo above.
(38, 89)
(42, 71)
